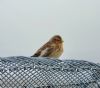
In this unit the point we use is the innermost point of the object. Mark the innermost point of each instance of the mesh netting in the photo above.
(32, 72)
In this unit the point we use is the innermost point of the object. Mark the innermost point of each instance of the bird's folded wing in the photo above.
(44, 53)
(47, 52)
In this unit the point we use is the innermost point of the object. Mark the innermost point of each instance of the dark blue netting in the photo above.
(32, 72)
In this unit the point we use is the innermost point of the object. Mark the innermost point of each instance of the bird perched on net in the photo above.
(53, 48)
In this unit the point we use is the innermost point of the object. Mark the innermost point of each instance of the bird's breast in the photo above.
(57, 52)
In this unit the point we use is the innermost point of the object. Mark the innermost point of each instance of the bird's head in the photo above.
(56, 39)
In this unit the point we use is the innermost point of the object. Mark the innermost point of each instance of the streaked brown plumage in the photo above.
(53, 48)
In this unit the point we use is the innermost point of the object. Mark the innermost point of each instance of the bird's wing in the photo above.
(44, 51)
(36, 54)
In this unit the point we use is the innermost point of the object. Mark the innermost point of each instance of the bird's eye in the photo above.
(56, 39)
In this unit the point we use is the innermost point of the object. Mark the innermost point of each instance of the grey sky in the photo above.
(27, 24)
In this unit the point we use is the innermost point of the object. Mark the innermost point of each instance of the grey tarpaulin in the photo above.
(32, 72)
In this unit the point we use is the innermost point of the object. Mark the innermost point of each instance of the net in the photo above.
(36, 72)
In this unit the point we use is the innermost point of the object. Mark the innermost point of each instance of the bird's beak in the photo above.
(62, 41)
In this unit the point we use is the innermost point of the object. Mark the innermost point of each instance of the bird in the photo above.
(52, 49)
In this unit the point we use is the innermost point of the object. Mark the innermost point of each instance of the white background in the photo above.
(27, 24)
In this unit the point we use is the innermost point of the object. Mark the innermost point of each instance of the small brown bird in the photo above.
(53, 48)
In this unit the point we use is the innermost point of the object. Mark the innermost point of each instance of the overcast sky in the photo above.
(27, 24)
